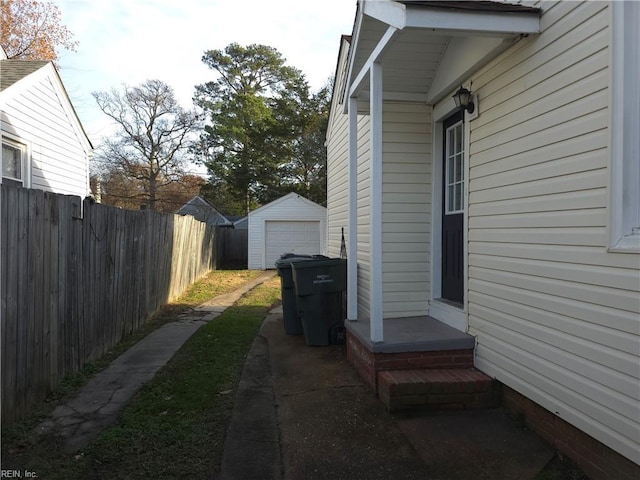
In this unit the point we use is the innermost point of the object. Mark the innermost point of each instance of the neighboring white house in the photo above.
(290, 224)
(43, 143)
(517, 223)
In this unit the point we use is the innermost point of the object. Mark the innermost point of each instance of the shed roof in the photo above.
(287, 197)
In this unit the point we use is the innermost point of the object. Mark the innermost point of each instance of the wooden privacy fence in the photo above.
(78, 277)
(232, 248)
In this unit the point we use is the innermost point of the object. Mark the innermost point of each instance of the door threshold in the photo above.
(449, 312)
(451, 303)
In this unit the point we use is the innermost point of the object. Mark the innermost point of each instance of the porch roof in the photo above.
(427, 48)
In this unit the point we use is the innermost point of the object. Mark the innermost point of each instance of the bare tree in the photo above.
(154, 134)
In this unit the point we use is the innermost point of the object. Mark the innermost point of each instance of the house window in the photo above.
(14, 163)
(454, 165)
(625, 128)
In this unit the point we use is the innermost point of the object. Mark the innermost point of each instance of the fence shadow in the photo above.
(232, 248)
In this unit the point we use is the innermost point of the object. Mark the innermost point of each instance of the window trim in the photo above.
(625, 129)
(463, 181)
(16, 142)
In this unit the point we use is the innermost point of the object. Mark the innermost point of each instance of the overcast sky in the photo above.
(130, 41)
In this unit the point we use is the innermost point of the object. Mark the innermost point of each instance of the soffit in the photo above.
(426, 37)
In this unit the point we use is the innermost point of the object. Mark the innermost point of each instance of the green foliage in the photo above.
(175, 426)
(266, 130)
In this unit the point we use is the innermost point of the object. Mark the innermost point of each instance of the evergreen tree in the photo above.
(257, 109)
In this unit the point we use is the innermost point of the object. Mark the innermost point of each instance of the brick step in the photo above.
(437, 389)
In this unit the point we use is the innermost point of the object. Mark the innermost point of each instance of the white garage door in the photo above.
(290, 237)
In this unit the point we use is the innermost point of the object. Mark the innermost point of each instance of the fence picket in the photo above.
(78, 277)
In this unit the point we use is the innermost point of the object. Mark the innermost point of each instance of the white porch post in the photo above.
(352, 252)
(375, 290)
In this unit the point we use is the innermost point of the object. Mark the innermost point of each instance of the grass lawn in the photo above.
(174, 427)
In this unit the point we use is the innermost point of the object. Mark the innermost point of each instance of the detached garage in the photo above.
(291, 224)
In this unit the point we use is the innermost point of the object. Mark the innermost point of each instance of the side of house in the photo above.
(337, 178)
(553, 305)
(548, 165)
(43, 143)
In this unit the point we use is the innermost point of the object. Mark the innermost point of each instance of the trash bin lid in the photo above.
(287, 259)
(324, 262)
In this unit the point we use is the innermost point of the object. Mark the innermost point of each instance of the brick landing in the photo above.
(441, 347)
(437, 389)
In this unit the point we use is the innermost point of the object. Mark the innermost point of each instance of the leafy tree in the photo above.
(306, 169)
(32, 30)
(217, 192)
(153, 137)
(250, 128)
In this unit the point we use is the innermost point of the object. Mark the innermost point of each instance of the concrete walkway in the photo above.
(303, 413)
(98, 403)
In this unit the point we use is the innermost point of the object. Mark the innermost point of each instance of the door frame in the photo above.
(440, 309)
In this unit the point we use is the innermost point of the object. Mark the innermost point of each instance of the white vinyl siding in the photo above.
(290, 209)
(338, 184)
(364, 205)
(556, 316)
(59, 157)
(406, 207)
(338, 162)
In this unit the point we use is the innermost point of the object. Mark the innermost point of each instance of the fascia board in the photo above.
(284, 199)
(393, 14)
(473, 22)
(355, 38)
(70, 110)
(382, 45)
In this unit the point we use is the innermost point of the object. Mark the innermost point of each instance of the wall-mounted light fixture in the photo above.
(463, 100)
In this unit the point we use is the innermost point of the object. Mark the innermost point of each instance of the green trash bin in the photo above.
(320, 287)
(292, 321)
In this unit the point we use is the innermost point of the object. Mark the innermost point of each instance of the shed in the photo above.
(289, 224)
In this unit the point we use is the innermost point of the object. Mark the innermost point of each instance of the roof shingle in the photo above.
(14, 70)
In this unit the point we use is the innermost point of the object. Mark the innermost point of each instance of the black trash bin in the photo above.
(292, 321)
(320, 291)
